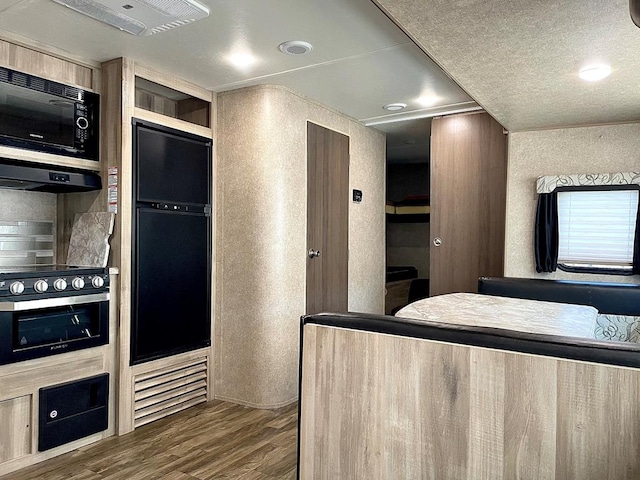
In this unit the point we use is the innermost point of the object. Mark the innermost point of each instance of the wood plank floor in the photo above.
(218, 440)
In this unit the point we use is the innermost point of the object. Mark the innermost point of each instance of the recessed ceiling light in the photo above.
(394, 107)
(242, 60)
(428, 100)
(295, 47)
(594, 73)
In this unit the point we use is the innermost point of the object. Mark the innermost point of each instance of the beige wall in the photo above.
(261, 237)
(594, 149)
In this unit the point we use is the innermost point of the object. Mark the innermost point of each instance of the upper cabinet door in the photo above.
(468, 201)
(171, 167)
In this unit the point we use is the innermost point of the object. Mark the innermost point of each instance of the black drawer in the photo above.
(73, 410)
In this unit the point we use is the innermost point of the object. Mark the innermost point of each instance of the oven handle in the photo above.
(53, 302)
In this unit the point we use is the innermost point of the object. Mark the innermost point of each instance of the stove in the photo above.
(52, 309)
(51, 281)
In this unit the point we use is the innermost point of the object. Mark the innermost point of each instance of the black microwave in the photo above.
(47, 116)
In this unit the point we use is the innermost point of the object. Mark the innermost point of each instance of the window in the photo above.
(596, 229)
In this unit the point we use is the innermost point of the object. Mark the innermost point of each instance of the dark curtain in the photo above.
(546, 233)
(636, 245)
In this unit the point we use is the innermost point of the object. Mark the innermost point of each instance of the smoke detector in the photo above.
(140, 17)
(295, 47)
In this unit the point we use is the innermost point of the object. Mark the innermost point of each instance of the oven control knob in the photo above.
(41, 286)
(97, 282)
(16, 288)
(77, 283)
(60, 284)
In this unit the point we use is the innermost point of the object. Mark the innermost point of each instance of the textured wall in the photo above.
(22, 205)
(596, 149)
(261, 237)
(366, 219)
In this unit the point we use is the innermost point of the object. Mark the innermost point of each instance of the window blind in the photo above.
(596, 228)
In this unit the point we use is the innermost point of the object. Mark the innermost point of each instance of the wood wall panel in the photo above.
(26, 377)
(486, 413)
(377, 406)
(44, 65)
(350, 372)
(598, 422)
(530, 417)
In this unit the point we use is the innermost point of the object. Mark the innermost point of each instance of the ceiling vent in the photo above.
(141, 17)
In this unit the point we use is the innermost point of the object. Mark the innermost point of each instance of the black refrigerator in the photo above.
(171, 278)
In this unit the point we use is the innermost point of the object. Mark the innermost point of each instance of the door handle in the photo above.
(437, 241)
(314, 253)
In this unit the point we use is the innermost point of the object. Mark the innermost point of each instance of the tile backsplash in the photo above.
(27, 228)
(26, 243)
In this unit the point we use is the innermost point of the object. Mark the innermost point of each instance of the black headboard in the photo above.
(608, 298)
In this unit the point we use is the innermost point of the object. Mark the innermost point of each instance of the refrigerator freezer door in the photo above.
(171, 168)
(172, 284)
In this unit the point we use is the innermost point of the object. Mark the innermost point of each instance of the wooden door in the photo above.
(468, 201)
(327, 219)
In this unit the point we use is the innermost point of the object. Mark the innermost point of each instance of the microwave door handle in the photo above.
(53, 302)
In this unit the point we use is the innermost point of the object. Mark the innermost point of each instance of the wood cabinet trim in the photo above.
(171, 122)
(172, 82)
(42, 63)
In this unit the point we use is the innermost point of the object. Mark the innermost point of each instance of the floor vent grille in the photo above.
(169, 390)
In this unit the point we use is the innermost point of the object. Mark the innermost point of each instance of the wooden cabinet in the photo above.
(468, 201)
(26, 59)
(131, 90)
(20, 384)
(15, 425)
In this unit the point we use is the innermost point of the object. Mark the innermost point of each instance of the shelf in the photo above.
(408, 214)
(47, 158)
(166, 101)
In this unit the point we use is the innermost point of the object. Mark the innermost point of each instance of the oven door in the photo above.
(38, 328)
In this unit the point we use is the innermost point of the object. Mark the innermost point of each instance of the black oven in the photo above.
(51, 309)
(37, 328)
(39, 114)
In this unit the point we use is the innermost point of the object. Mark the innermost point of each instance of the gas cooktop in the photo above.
(46, 281)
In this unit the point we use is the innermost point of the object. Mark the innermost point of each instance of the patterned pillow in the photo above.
(619, 328)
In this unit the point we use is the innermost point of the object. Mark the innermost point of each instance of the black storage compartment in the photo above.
(73, 410)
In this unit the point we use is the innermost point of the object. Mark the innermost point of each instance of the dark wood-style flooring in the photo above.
(218, 440)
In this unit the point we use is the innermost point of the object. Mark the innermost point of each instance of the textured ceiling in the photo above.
(520, 59)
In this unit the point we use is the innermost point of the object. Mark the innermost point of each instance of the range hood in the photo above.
(45, 178)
